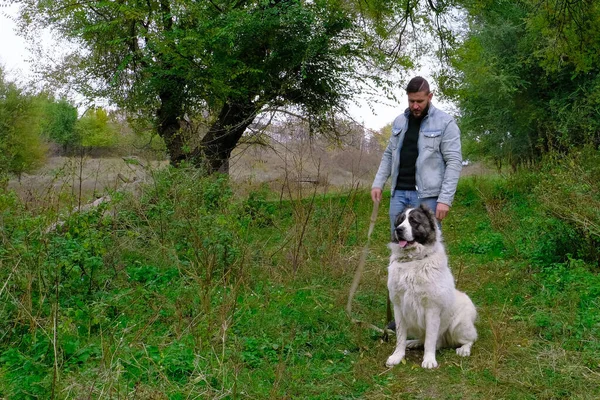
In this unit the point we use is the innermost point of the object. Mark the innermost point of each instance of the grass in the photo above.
(189, 291)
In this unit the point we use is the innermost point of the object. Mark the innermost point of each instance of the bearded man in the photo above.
(423, 156)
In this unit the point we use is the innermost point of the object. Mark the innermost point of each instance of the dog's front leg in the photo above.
(432, 328)
(398, 354)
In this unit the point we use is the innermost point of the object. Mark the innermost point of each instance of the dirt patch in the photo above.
(84, 178)
(476, 168)
(303, 165)
(279, 167)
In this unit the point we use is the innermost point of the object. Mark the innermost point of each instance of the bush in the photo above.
(21, 146)
(568, 190)
(173, 255)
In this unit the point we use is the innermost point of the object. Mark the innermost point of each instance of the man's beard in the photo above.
(422, 114)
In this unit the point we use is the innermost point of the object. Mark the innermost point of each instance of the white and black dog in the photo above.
(427, 307)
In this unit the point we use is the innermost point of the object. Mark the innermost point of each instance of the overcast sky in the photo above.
(12, 48)
(15, 57)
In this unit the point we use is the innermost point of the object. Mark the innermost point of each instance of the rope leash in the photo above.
(358, 274)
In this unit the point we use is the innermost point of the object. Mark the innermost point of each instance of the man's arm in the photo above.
(383, 173)
(441, 211)
(376, 194)
(452, 154)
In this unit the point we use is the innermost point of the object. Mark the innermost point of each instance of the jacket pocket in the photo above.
(394, 139)
(432, 139)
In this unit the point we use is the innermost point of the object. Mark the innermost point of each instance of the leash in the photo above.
(358, 274)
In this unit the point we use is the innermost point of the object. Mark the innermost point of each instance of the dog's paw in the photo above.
(429, 362)
(393, 360)
(464, 350)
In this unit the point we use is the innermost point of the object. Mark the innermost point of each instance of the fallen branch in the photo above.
(127, 186)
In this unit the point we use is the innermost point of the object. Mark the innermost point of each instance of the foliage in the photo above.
(94, 129)
(60, 121)
(547, 218)
(137, 136)
(227, 61)
(546, 292)
(21, 146)
(191, 289)
(568, 191)
(383, 136)
(527, 79)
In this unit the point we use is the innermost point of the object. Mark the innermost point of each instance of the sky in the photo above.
(16, 59)
(13, 52)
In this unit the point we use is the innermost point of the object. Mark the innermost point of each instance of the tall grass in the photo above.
(189, 290)
(153, 291)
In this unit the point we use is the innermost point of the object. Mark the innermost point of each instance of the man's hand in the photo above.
(441, 210)
(376, 194)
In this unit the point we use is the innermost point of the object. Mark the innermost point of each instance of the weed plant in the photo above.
(188, 290)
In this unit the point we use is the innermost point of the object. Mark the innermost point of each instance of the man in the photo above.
(423, 156)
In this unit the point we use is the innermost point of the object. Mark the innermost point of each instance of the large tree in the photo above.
(527, 77)
(227, 60)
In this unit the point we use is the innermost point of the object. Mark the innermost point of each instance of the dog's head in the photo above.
(415, 225)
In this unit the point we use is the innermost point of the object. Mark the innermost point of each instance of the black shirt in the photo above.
(408, 155)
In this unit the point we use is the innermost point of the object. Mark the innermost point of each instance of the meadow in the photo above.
(189, 288)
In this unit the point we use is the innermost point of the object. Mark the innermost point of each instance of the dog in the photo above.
(427, 307)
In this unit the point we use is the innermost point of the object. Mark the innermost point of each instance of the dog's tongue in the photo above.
(402, 243)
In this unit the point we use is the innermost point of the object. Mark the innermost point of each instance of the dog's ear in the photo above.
(429, 212)
(423, 207)
(430, 217)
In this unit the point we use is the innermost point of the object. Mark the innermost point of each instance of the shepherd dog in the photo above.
(427, 307)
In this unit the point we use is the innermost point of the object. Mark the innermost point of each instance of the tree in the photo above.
(59, 123)
(94, 129)
(21, 146)
(528, 78)
(383, 136)
(227, 59)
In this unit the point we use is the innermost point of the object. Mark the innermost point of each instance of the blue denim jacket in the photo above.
(440, 159)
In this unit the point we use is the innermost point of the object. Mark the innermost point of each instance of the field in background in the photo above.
(70, 180)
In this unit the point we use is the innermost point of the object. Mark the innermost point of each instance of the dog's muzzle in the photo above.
(399, 234)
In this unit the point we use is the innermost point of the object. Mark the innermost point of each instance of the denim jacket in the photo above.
(440, 159)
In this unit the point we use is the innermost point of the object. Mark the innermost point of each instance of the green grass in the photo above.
(190, 291)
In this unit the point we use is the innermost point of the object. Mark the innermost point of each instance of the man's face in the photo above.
(418, 102)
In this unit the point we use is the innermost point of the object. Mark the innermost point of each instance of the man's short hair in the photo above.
(417, 84)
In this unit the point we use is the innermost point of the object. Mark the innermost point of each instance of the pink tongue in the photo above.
(403, 243)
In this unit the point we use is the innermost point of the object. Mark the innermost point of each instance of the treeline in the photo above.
(526, 78)
(34, 125)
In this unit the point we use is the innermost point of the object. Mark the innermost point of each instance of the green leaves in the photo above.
(60, 122)
(95, 130)
(526, 84)
(177, 59)
(21, 146)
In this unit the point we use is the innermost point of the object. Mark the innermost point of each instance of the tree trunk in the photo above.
(223, 136)
(218, 143)
(169, 114)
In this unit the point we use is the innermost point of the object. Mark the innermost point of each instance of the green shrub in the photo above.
(259, 210)
(568, 190)
(547, 218)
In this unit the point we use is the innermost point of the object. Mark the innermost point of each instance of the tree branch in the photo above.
(219, 9)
